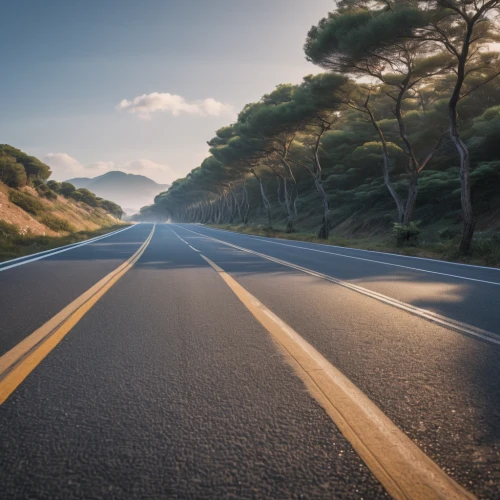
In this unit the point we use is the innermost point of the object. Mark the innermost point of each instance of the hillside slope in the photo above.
(130, 191)
(49, 217)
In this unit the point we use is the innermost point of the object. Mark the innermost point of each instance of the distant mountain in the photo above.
(130, 191)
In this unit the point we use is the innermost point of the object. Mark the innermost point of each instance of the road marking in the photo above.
(21, 360)
(377, 261)
(184, 241)
(55, 251)
(462, 328)
(438, 261)
(404, 470)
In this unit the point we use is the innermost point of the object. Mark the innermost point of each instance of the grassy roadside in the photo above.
(485, 249)
(13, 244)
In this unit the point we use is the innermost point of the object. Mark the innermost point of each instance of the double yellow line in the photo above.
(20, 361)
(404, 470)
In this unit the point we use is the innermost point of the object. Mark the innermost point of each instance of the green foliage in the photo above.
(54, 185)
(406, 234)
(25, 201)
(7, 231)
(111, 208)
(34, 168)
(44, 190)
(487, 246)
(67, 189)
(85, 196)
(12, 173)
(56, 223)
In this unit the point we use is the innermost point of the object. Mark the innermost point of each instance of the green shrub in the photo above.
(487, 246)
(54, 185)
(66, 189)
(86, 196)
(25, 201)
(44, 190)
(7, 230)
(406, 234)
(12, 173)
(56, 224)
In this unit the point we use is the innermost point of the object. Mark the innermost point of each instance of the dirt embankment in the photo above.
(78, 215)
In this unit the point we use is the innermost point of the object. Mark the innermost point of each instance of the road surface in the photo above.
(154, 363)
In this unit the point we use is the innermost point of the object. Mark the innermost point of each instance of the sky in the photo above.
(90, 86)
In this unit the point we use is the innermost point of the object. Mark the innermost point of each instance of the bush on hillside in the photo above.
(66, 189)
(33, 167)
(7, 231)
(12, 173)
(406, 234)
(54, 185)
(56, 224)
(44, 190)
(85, 196)
(111, 208)
(25, 201)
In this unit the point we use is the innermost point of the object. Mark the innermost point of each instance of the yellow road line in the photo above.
(404, 470)
(21, 360)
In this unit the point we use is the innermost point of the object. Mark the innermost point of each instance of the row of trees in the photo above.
(17, 169)
(409, 85)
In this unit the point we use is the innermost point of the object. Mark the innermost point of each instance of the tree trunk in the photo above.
(265, 200)
(386, 166)
(324, 232)
(246, 203)
(279, 190)
(469, 221)
(291, 216)
(412, 198)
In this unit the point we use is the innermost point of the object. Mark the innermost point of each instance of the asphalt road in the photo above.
(168, 387)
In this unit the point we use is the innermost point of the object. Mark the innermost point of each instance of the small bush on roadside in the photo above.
(406, 234)
(25, 201)
(487, 246)
(7, 230)
(56, 224)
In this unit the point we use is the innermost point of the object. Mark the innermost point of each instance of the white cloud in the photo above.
(102, 165)
(63, 166)
(144, 105)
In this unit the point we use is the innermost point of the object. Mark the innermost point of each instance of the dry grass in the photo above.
(13, 244)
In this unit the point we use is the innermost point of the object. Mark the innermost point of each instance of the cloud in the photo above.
(144, 105)
(144, 165)
(101, 165)
(63, 166)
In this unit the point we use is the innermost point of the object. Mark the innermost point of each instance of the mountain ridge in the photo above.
(130, 191)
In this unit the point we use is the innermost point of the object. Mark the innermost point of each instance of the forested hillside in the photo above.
(399, 136)
(35, 211)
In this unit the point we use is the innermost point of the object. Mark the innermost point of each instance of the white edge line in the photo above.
(382, 263)
(61, 249)
(95, 238)
(449, 323)
(439, 261)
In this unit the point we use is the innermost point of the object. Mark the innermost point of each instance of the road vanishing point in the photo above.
(181, 361)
